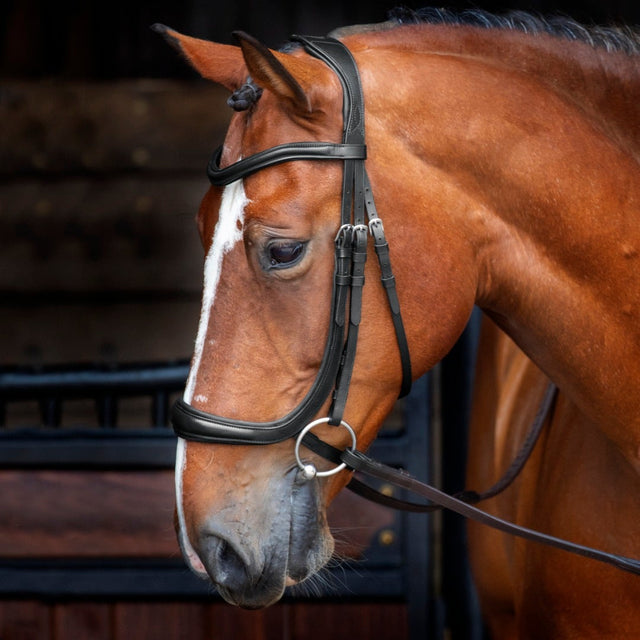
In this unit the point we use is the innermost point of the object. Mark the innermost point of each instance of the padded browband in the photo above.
(277, 155)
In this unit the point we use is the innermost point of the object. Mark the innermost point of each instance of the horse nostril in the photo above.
(227, 558)
(226, 567)
(225, 553)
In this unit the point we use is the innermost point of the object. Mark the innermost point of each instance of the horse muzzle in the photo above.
(252, 554)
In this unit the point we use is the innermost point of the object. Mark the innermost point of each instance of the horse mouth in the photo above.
(252, 563)
(248, 587)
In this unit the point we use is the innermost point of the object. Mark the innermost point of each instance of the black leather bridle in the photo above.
(339, 354)
(348, 281)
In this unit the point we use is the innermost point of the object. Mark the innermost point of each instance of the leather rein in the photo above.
(359, 219)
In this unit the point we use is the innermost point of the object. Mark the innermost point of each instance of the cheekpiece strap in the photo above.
(356, 200)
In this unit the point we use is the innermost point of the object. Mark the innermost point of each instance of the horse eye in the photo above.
(285, 254)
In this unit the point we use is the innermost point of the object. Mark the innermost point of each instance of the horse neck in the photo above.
(545, 178)
(605, 84)
(565, 269)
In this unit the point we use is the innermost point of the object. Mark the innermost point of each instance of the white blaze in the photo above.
(227, 233)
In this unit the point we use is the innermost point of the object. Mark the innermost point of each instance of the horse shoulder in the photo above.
(501, 407)
(577, 485)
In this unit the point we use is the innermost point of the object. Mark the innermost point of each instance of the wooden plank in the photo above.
(160, 620)
(135, 125)
(355, 522)
(365, 621)
(47, 514)
(28, 620)
(226, 622)
(25, 620)
(66, 514)
(82, 621)
(120, 234)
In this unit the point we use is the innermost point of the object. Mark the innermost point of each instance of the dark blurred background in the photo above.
(111, 39)
(102, 152)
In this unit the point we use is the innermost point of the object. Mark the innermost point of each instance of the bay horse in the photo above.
(503, 153)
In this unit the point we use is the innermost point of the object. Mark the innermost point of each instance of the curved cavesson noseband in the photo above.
(350, 255)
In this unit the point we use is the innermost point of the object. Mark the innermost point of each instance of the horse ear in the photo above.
(280, 73)
(221, 63)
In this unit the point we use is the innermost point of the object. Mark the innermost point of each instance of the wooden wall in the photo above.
(195, 621)
(114, 514)
(102, 515)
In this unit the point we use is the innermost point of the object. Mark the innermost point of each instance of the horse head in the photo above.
(246, 518)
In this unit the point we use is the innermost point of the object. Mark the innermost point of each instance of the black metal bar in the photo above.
(87, 449)
(167, 578)
(51, 411)
(418, 561)
(51, 387)
(160, 409)
(86, 382)
(107, 411)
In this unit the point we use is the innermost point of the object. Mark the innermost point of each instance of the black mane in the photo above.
(624, 39)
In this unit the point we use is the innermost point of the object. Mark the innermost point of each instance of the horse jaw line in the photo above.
(227, 233)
